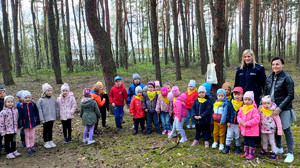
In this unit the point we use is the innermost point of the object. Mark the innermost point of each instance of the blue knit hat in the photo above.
(138, 88)
(145, 88)
(117, 78)
(25, 93)
(19, 94)
(207, 85)
(135, 76)
(192, 83)
(221, 91)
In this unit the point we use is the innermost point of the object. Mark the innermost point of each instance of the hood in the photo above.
(87, 102)
(68, 95)
(122, 86)
(182, 97)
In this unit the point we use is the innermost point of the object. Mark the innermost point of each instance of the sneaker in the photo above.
(273, 156)
(279, 151)
(91, 142)
(183, 139)
(221, 147)
(188, 126)
(149, 132)
(237, 150)
(29, 150)
(132, 127)
(214, 145)
(47, 145)
(10, 156)
(23, 144)
(193, 126)
(33, 149)
(84, 140)
(206, 144)
(196, 142)
(169, 132)
(289, 158)
(69, 140)
(65, 141)
(263, 152)
(16, 153)
(134, 132)
(52, 144)
(171, 135)
(164, 132)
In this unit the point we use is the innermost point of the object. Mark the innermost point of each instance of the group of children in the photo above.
(166, 106)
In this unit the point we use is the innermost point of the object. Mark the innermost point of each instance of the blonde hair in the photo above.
(248, 51)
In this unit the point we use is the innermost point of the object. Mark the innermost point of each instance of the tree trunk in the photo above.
(107, 18)
(117, 33)
(262, 46)
(245, 24)
(14, 8)
(168, 30)
(219, 41)
(84, 33)
(212, 11)
(176, 47)
(278, 36)
(45, 3)
(203, 34)
(6, 72)
(226, 33)
(203, 62)
(270, 32)
(78, 30)
(102, 42)
(68, 37)
(6, 33)
(298, 37)
(124, 36)
(240, 31)
(165, 32)
(255, 19)
(54, 43)
(184, 32)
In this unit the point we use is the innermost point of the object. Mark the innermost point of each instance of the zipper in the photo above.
(12, 112)
(29, 116)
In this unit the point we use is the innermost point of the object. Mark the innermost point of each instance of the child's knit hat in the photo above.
(175, 91)
(156, 83)
(46, 87)
(87, 92)
(25, 93)
(221, 91)
(100, 84)
(19, 94)
(1, 88)
(226, 85)
(135, 76)
(138, 88)
(201, 89)
(145, 88)
(65, 86)
(207, 85)
(266, 98)
(249, 94)
(192, 83)
(238, 89)
(164, 91)
(9, 96)
(151, 83)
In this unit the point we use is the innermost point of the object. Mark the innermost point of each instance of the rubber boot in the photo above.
(251, 154)
(246, 148)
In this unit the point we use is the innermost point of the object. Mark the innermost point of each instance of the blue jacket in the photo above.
(203, 110)
(251, 79)
(28, 115)
(131, 92)
(231, 114)
(220, 113)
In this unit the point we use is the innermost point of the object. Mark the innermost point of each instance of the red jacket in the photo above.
(136, 108)
(190, 99)
(118, 95)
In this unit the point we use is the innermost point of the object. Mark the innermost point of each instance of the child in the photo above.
(117, 96)
(22, 133)
(149, 105)
(201, 115)
(105, 107)
(219, 118)
(227, 87)
(145, 89)
(2, 95)
(9, 126)
(180, 112)
(248, 119)
(28, 119)
(191, 95)
(131, 90)
(89, 112)
(268, 124)
(67, 106)
(233, 130)
(163, 107)
(136, 110)
(168, 86)
(96, 96)
(157, 87)
(48, 112)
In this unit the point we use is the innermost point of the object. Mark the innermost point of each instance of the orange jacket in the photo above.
(97, 97)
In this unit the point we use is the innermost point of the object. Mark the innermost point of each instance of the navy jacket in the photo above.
(28, 115)
(231, 114)
(131, 92)
(251, 79)
(203, 110)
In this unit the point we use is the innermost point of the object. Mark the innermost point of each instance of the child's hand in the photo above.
(43, 122)
(20, 128)
(243, 123)
(113, 104)
(146, 110)
(276, 112)
(228, 125)
(200, 117)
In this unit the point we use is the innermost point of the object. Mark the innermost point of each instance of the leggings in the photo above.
(47, 132)
(67, 128)
(88, 129)
(29, 136)
(10, 143)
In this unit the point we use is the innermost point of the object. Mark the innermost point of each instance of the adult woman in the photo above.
(280, 87)
(250, 75)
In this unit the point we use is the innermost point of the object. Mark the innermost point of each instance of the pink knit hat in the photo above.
(175, 91)
(164, 91)
(87, 92)
(249, 94)
(266, 98)
(156, 83)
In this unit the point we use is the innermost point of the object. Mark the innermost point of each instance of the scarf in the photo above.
(202, 100)
(236, 104)
(165, 99)
(247, 108)
(139, 97)
(158, 92)
(192, 91)
(151, 95)
(217, 104)
(266, 112)
(229, 97)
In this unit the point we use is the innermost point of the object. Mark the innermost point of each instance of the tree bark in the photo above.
(262, 44)
(298, 37)
(270, 32)
(184, 32)
(54, 43)
(36, 40)
(102, 42)
(84, 33)
(226, 32)
(117, 33)
(6, 72)
(78, 30)
(14, 8)
(245, 24)
(68, 41)
(6, 33)
(203, 34)
(130, 34)
(255, 19)
(203, 62)
(107, 18)
(240, 31)
(45, 3)
(176, 47)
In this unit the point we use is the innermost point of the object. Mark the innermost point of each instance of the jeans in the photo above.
(289, 140)
(165, 119)
(249, 141)
(118, 112)
(152, 117)
(233, 132)
(47, 131)
(178, 125)
(189, 117)
(204, 129)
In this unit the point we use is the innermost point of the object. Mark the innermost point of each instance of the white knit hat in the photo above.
(65, 86)
(46, 87)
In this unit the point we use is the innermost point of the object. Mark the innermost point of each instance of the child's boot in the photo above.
(273, 156)
(237, 150)
(196, 142)
(226, 149)
(246, 148)
(263, 152)
(251, 154)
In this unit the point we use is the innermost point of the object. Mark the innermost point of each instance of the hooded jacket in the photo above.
(118, 95)
(190, 99)
(251, 120)
(89, 111)
(9, 121)
(179, 107)
(131, 92)
(28, 115)
(136, 108)
(48, 109)
(67, 106)
(203, 110)
(96, 96)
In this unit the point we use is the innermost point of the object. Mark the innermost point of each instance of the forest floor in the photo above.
(122, 149)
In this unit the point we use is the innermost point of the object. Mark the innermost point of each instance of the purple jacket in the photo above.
(9, 121)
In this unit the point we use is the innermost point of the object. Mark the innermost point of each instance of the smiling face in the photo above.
(221, 96)
(118, 82)
(65, 93)
(277, 66)
(227, 90)
(9, 103)
(191, 88)
(248, 101)
(27, 99)
(248, 58)
(157, 88)
(49, 92)
(2, 94)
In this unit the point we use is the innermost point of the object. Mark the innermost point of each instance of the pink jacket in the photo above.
(251, 120)
(179, 107)
(268, 124)
(162, 106)
(67, 106)
(9, 121)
